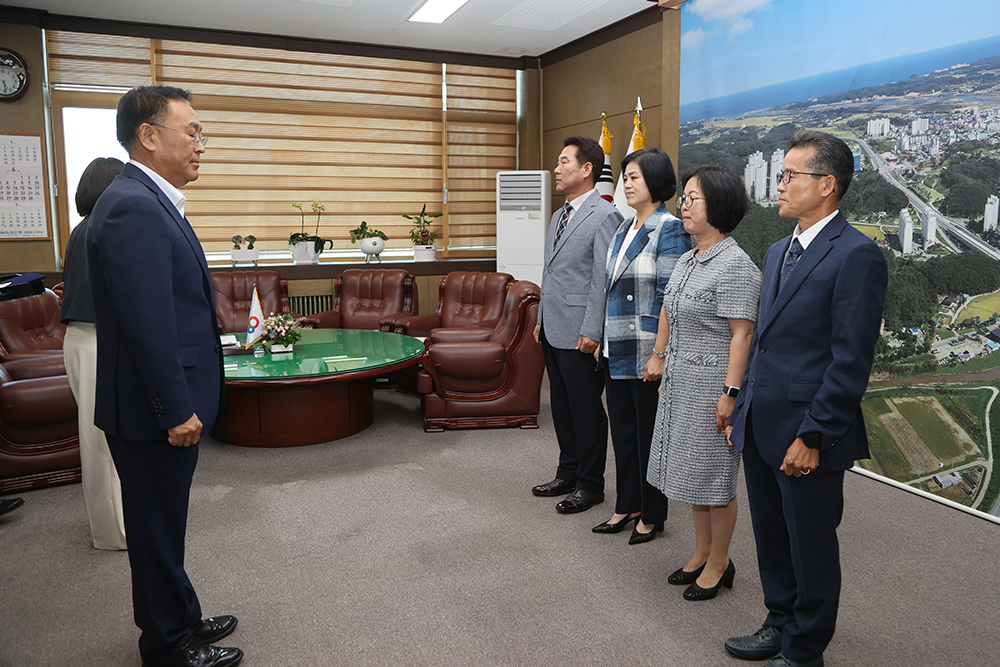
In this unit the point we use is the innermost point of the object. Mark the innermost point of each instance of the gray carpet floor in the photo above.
(396, 547)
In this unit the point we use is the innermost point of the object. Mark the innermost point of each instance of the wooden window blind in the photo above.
(482, 140)
(363, 135)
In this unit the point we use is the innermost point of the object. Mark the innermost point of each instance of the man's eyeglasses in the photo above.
(687, 200)
(786, 176)
(195, 138)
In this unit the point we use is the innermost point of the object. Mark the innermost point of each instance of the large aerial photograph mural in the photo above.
(914, 88)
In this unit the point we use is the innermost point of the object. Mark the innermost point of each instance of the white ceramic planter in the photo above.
(280, 352)
(304, 252)
(244, 256)
(424, 253)
(372, 247)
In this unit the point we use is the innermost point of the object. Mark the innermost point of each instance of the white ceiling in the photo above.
(490, 27)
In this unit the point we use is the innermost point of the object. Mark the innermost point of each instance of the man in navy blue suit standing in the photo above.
(159, 365)
(798, 416)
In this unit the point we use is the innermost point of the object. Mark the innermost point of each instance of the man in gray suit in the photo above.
(570, 317)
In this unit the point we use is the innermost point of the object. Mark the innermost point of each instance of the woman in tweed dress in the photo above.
(706, 325)
(642, 254)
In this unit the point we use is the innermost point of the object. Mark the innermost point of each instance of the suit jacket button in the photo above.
(218, 348)
(762, 349)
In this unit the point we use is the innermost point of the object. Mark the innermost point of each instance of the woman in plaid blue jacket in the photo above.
(641, 256)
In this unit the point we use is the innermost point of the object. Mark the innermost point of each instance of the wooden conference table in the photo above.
(320, 391)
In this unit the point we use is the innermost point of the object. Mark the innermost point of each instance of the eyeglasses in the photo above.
(786, 176)
(195, 138)
(687, 200)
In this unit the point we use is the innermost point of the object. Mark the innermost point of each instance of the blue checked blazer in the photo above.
(634, 295)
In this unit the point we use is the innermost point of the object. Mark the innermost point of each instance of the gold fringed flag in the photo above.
(255, 323)
(605, 182)
(637, 142)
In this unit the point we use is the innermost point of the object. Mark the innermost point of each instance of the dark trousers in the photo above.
(156, 484)
(578, 415)
(632, 414)
(795, 523)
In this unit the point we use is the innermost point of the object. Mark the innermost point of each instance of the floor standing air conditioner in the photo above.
(523, 212)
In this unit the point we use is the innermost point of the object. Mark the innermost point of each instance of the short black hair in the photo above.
(144, 104)
(95, 180)
(588, 150)
(832, 156)
(657, 171)
(726, 200)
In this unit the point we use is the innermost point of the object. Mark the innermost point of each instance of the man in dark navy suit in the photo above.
(798, 415)
(159, 365)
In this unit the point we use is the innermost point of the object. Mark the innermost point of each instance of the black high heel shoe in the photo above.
(694, 592)
(682, 578)
(608, 527)
(639, 538)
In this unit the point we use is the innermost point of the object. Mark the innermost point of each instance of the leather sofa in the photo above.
(234, 292)
(39, 436)
(465, 299)
(30, 326)
(362, 298)
(475, 377)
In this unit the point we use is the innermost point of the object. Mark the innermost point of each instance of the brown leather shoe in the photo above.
(579, 501)
(557, 487)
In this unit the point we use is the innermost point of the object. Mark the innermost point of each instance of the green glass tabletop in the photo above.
(326, 352)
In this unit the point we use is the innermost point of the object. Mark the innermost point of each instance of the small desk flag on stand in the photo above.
(637, 142)
(606, 184)
(255, 324)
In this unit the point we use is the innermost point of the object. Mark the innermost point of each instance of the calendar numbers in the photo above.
(22, 197)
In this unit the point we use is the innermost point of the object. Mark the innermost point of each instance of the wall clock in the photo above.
(13, 75)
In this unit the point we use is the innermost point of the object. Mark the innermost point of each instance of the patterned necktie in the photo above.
(790, 260)
(561, 227)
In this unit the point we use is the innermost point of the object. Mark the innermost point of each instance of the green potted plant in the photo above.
(372, 240)
(239, 254)
(424, 249)
(306, 248)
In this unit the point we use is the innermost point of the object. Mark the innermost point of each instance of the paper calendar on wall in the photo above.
(22, 188)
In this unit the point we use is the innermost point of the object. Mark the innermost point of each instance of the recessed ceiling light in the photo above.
(436, 11)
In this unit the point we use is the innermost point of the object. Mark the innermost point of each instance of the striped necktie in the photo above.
(563, 219)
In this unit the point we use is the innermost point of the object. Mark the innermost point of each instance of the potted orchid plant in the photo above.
(239, 254)
(306, 248)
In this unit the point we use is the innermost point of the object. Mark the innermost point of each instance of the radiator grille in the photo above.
(310, 305)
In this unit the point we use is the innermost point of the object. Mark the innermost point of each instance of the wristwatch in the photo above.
(731, 391)
(661, 355)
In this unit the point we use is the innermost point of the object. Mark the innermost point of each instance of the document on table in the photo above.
(229, 340)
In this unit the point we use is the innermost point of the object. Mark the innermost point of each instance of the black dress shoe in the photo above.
(608, 527)
(695, 592)
(10, 504)
(761, 645)
(781, 660)
(640, 538)
(579, 501)
(211, 630)
(556, 487)
(198, 654)
(682, 577)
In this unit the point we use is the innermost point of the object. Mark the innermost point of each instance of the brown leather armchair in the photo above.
(234, 292)
(363, 297)
(30, 325)
(475, 378)
(465, 299)
(39, 441)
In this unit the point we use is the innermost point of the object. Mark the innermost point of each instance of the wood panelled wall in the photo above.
(25, 116)
(608, 78)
